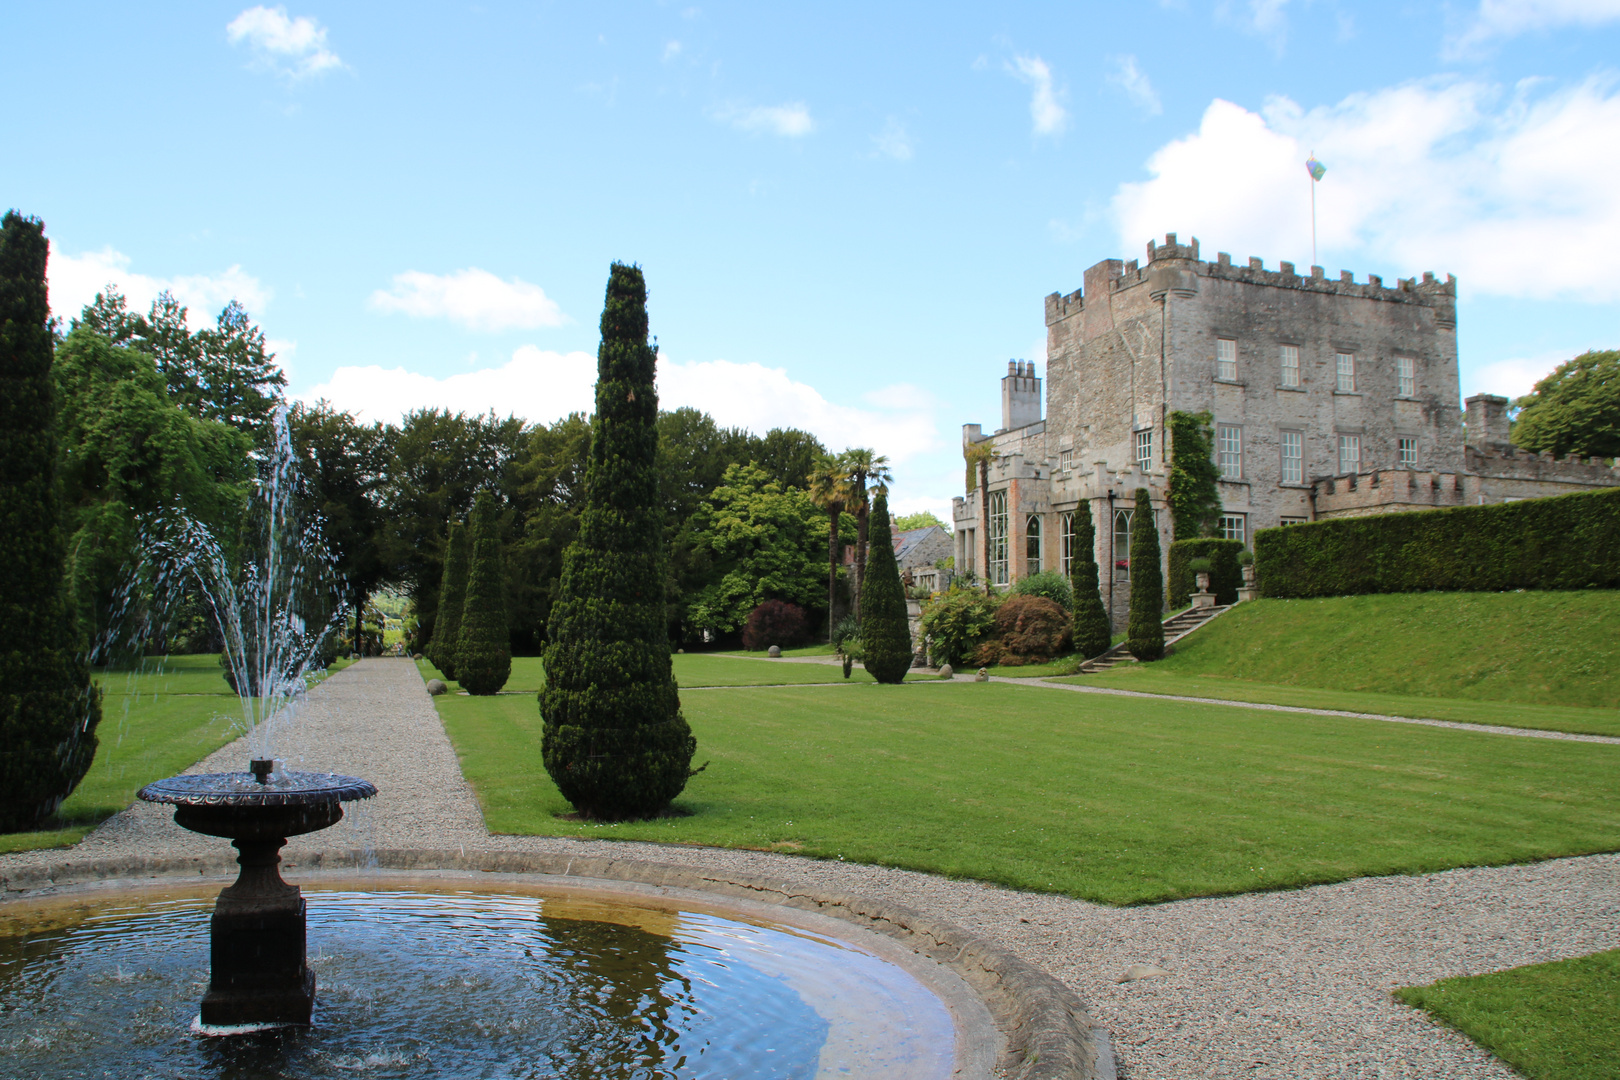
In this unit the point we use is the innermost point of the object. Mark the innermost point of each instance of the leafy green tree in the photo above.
(922, 519)
(1575, 410)
(762, 542)
(788, 456)
(241, 383)
(885, 634)
(545, 505)
(615, 742)
(484, 655)
(868, 472)
(1145, 631)
(957, 623)
(1195, 497)
(162, 334)
(445, 644)
(1093, 633)
(49, 709)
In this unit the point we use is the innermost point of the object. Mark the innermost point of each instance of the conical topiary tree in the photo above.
(615, 741)
(1144, 635)
(446, 641)
(484, 650)
(1092, 631)
(48, 707)
(885, 635)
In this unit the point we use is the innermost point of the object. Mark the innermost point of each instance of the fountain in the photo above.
(259, 975)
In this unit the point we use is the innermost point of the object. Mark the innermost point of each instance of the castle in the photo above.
(1330, 398)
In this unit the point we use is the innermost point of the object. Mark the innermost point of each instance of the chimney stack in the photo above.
(1020, 396)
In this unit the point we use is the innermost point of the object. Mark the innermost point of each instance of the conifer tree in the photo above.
(885, 635)
(1092, 630)
(615, 741)
(1145, 632)
(49, 709)
(484, 654)
(446, 643)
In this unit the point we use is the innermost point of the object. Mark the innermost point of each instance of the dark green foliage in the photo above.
(1565, 542)
(615, 742)
(1225, 572)
(445, 644)
(1050, 584)
(957, 623)
(48, 707)
(1093, 632)
(1575, 410)
(885, 635)
(483, 651)
(1195, 500)
(775, 622)
(1029, 630)
(1144, 634)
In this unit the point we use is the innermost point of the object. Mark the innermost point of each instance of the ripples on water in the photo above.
(469, 985)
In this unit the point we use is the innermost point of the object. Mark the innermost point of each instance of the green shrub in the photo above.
(484, 646)
(957, 623)
(1050, 584)
(1093, 631)
(49, 708)
(1564, 542)
(1029, 630)
(452, 593)
(1144, 634)
(615, 742)
(1225, 572)
(1199, 566)
(1245, 558)
(885, 634)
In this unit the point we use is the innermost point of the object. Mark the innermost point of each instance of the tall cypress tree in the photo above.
(1092, 631)
(615, 741)
(1144, 635)
(446, 643)
(484, 656)
(49, 709)
(885, 635)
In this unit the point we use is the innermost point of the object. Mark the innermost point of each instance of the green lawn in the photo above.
(1558, 1021)
(1156, 679)
(1534, 648)
(1111, 799)
(692, 670)
(803, 650)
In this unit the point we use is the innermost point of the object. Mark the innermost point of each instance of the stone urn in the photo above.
(1248, 592)
(1203, 598)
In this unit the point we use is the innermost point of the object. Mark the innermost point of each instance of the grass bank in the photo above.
(1558, 1021)
(692, 670)
(1109, 799)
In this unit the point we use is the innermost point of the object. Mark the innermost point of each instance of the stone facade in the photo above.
(1330, 397)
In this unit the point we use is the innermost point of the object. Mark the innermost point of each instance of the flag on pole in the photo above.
(1315, 168)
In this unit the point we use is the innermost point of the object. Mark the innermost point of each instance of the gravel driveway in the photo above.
(1283, 984)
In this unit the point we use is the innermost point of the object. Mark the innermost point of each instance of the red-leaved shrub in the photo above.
(1029, 630)
(775, 622)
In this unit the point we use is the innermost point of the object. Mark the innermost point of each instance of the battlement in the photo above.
(1509, 462)
(1114, 275)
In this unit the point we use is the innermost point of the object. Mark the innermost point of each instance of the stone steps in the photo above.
(1175, 628)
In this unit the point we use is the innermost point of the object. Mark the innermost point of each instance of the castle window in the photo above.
(1144, 449)
(1349, 453)
(1068, 541)
(1290, 365)
(997, 555)
(1065, 459)
(1229, 451)
(1032, 544)
(1226, 359)
(1408, 453)
(1234, 527)
(1287, 521)
(1347, 373)
(1293, 457)
(1122, 541)
(1406, 371)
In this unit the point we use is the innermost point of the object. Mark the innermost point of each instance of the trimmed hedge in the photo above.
(484, 644)
(1093, 631)
(446, 640)
(1563, 542)
(885, 631)
(1225, 575)
(1144, 631)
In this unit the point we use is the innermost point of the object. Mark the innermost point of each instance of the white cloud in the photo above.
(294, 48)
(790, 120)
(672, 49)
(1134, 81)
(1497, 19)
(475, 298)
(893, 141)
(1513, 377)
(74, 281)
(1505, 189)
(1045, 108)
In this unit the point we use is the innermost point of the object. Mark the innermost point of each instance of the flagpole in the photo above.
(1313, 219)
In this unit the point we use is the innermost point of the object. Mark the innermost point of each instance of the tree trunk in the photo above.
(834, 550)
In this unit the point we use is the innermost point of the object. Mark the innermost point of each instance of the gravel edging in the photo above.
(1047, 1033)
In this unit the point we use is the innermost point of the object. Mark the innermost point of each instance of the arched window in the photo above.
(1066, 532)
(1032, 544)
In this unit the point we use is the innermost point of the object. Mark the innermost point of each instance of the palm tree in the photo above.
(830, 490)
(867, 472)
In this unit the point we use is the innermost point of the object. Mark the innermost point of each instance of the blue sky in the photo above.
(848, 217)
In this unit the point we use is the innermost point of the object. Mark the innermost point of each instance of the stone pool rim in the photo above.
(1046, 1033)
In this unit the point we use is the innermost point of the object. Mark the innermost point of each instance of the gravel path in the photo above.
(1284, 984)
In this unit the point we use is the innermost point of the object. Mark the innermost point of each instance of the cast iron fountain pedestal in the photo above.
(259, 975)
